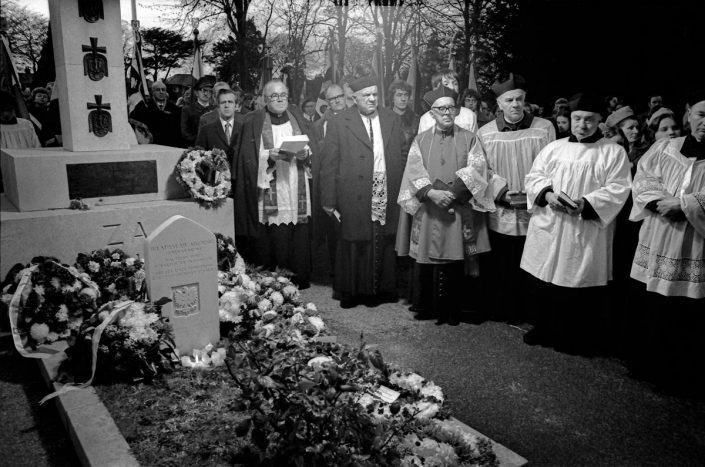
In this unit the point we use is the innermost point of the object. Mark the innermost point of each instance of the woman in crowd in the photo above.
(627, 126)
(470, 99)
(562, 123)
(663, 124)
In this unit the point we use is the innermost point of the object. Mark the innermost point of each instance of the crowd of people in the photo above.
(588, 224)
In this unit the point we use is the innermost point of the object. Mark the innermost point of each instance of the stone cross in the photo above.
(95, 65)
(77, 81)
(99, 121)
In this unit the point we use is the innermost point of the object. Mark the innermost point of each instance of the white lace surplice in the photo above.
(287, 182)
(670, 256)
(511, 154)
(571, 251)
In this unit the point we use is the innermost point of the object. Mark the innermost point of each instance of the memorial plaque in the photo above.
(181, 265)
(99, 179)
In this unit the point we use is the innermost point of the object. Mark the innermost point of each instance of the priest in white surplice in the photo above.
(668, 321)
(569, 250)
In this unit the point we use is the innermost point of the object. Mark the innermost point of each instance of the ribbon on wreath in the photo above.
(118, 310)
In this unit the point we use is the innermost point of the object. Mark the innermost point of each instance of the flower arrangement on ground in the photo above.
(228, 258)
(137, 344)
(119, 276)
(205, 175)
(48, 301)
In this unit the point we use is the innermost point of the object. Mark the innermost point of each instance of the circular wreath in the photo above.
(206, 175)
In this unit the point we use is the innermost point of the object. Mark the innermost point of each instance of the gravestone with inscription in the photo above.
(181, 265)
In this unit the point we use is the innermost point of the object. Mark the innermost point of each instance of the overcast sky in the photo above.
(148, 17)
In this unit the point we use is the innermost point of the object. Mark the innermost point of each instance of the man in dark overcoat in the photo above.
(361, 173)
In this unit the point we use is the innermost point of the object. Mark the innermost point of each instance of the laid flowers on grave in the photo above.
(205, 175)
(134, 344)
(119, 276)
(228, 258)
(313, 403)
(48, 301)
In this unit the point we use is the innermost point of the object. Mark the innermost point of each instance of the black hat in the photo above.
(587, 102)
(441, 91)
(205, 81)
(363, 82)
(513, 82)
(696, 96)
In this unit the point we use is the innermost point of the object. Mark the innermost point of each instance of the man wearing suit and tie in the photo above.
(223, 133)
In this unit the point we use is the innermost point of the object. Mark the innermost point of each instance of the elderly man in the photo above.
(360, 179)
(272, 195)
(200, 104)
(445, 181)
(512, 141)
(161, 116)
(669, 263)
(224, 133)
(464, 117)
(325, 227)
(575, 189)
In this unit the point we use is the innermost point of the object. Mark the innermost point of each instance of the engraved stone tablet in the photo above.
(99, 179)
(181, 265)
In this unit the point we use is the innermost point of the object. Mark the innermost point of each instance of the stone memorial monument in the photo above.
(131, 189)
(181, 265)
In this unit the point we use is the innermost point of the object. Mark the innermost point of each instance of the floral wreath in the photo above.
(206, 175)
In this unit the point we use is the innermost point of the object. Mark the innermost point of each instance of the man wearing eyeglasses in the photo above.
(324, 227)
(447, 188)
(272, 194)
(360, 178)
(463, 117)
(191, 114)
(512, 141)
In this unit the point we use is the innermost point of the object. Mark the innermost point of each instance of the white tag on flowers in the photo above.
(325, 339)
(386, 394)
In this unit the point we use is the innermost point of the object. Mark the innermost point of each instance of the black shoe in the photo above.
(423, 315)
(346, 303)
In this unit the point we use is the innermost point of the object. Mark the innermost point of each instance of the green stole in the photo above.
(270, 194)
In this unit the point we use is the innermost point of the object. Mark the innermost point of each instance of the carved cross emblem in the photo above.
(100, 122)
(90, 10)
(95, 65)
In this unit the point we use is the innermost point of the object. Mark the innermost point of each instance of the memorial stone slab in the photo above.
(181, 265)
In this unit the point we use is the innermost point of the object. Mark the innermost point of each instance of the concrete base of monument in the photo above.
(98, 441)
(49, 178)
(63, 233)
